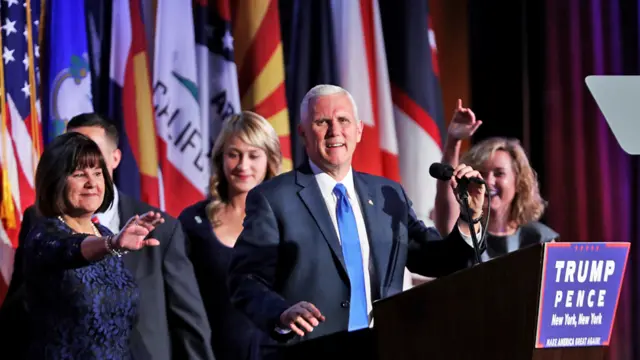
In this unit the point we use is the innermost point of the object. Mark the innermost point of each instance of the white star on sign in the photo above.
(25, 61)
(11, 2)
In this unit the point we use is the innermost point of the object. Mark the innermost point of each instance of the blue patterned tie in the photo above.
(358, 316)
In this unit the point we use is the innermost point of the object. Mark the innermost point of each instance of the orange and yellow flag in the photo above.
(260, 61)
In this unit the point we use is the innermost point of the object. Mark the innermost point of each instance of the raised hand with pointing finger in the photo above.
(464, 123)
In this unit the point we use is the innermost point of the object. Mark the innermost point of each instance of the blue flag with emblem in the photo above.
(67, 81)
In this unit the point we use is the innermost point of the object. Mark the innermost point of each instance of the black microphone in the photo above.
(445, 172)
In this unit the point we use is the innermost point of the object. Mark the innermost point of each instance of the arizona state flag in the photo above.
(260, 62)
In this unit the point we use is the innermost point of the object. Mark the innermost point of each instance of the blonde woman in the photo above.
(515, 201)
(246, 153)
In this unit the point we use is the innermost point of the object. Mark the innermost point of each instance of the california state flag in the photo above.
(182, 146)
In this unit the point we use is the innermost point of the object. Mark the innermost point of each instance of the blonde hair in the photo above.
(253, 130)
(527, 204)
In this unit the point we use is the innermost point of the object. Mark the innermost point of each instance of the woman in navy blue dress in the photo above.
(81, 299)
(246, 153)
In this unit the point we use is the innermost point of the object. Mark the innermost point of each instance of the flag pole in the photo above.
(7, 210)
(33, 116)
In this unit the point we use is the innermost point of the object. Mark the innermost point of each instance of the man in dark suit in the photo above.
(322, 242)
(172, 323)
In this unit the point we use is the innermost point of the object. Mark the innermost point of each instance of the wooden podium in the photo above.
(489, 311)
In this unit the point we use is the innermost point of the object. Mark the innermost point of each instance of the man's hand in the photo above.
(463, 124)
(301, 317)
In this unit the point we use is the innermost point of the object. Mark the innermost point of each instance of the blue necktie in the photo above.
(358, 316)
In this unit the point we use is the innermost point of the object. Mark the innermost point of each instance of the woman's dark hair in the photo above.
(64, 155)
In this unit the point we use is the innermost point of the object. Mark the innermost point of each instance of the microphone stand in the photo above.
(464, 198)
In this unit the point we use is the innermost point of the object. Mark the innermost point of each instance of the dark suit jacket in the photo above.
(172, 323)
(289, 250)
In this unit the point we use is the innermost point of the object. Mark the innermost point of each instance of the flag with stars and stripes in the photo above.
(20, 133)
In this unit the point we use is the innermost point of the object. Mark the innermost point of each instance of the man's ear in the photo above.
(116, 157)
(359, 130)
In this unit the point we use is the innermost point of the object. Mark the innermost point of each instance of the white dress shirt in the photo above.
(327, 184)
(110, 218)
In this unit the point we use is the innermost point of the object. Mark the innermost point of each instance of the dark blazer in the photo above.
(172, 323)
(289, 250)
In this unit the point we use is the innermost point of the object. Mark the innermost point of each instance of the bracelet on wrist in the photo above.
(108, 241)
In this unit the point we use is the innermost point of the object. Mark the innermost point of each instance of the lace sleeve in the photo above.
(51, 247)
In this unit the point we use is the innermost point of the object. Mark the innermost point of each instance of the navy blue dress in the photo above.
(233, 335)
(78, 309)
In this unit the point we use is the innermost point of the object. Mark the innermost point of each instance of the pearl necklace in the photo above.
(96, 232)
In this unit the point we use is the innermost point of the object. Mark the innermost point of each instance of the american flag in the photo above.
(20, 133)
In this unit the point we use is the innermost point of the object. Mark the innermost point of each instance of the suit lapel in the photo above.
(312, 198)
(380, 248)
(126, 209)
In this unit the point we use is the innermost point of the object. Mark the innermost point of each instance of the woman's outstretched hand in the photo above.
(133, 235)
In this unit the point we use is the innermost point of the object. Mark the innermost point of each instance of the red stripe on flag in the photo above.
(418, 114)
(178, 190)
(391, 165)
(274, 103)
(263, 45)
(224, 10)
(138, 41)
(366, 158)
(27, 193)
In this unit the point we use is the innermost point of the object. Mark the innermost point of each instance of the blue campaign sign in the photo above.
(579, 293)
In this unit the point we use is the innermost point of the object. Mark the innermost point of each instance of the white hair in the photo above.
(324, 90)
